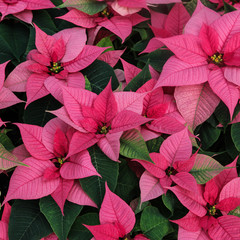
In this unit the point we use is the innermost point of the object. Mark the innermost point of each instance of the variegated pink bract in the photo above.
(118, 17)
(100, 118)
(209, 207)
(22, 8)
(208, 51)
(50, 171)
(56, 62)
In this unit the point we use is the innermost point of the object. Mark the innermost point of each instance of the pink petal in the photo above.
(6, 9)
(3, 230)
(185, 180)
(186, 47)
(189, 222)
(106, 104)
(78, 166)
(177, 73)
(7, 98)
(25, 16)
(211, 192)
(115, 210)
(35, 4)
(17, 79)
(111, 57)
(79, 18)
(150, 187)
(130, 70)
(6, 213)
(87, 56)
(228, 204)
(226, 175)
(177, 19)
(191, 200)
(196, 103)
(131, 101)
(225, 90)
(119, 25)
(32, 139)
(205, 15)
(78, 196)
(227, 228)
(28, 182)
(231, 189)
(75, 40)
(61, 192)
(231, 74)
(35, 87)
(209, 39)
(157, 169)
(186, 235)
(226, 26)
(21, 152)
(107, 231)
(110, 145)
(2, 73)
(127, 120)
(177, 147)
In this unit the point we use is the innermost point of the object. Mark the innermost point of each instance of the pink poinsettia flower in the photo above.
(172, 164)
(162, 109)
(118, 17)
(50, 171)
(22, 8)
(56, 62)
(117, 219)
(209, 207)
(169, 25)
(206, 52)
(100, 118)
(4, 222)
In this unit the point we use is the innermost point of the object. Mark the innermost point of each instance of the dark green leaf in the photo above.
(154, 144)
(78, 231)
(99, 74)
(127, 186)
(27, 222)
(139, 80)
(95, 186)
(228, 8)
(60, 224)
(235, 133)
(36, 113)
(153, 224)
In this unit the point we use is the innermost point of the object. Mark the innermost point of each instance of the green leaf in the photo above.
(139, 80)
(153, 145)
(27, 222)
(60, 224)
(78, 231)
(88, 6)
(87, 84)
(235, 212)
(156, 58)
(13, 40)
(95, 186)
(153, 224)
(36, 112)
(190, 6)
(132, 145)
(235, 133)
(106, 42)
(208, 135)
(8, 160)
(127, 185)
(222, 114)
(168, 201)
(205, 168)
(6, 141)
(99, 74)
(228, 8)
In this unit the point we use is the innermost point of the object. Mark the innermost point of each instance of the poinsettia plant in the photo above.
(119, 119)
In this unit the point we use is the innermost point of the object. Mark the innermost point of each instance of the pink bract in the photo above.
(50, 171)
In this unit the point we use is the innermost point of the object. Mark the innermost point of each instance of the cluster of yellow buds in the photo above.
(60, 161)
(217, 58)
(104, 130)
(105, 13)
(212, 210)
(55, 67)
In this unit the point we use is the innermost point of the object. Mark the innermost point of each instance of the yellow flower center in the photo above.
(104, 130)
(217, 58)
(106, 13)
(212, 210)
(55, 67)
(60, 161)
